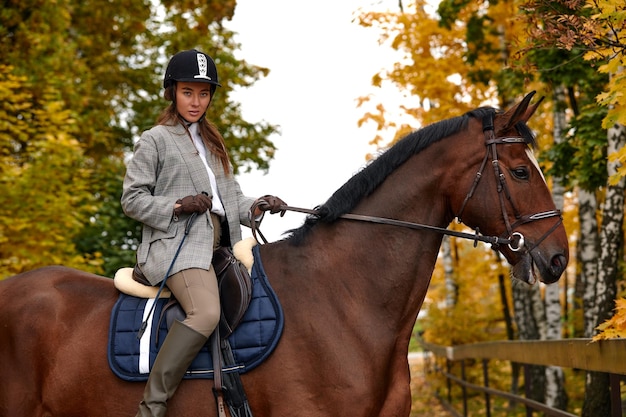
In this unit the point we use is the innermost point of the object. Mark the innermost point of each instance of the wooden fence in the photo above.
(607, 356)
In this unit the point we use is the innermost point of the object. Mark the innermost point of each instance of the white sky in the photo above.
(320, 63)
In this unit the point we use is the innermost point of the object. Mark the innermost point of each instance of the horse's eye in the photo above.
(520, 173)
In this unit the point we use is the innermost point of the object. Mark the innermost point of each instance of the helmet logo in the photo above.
(202, 67)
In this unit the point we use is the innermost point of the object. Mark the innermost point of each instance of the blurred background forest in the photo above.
(80, 80)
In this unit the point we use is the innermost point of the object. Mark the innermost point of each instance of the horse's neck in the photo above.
(397, 264)
(382, 268)
(379, 267)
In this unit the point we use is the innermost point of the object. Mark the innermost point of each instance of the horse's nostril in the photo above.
(558, 264)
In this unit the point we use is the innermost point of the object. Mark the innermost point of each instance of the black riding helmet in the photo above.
(192, 66)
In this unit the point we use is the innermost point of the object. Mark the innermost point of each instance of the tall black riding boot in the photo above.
(179, 349)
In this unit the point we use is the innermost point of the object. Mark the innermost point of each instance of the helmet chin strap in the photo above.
(197, 121)
(190, 123)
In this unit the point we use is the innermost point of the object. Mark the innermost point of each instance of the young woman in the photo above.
(181, 168)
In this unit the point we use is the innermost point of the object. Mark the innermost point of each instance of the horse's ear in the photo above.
(521, 112)
(531, 110)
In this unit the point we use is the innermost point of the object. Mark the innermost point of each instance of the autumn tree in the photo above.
(597, 29)
(42, 175)
(101, 64)
(460, 57)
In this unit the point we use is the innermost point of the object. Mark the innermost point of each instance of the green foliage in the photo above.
(590, 30)
(580, 160)
(448, 11)
(109, 234)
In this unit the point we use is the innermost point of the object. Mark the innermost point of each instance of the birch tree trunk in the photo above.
(448, 272)
(588, 255)
(556, 396)
(597, 394)
(530, 321)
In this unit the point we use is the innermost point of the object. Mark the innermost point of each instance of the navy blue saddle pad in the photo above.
(252, 341)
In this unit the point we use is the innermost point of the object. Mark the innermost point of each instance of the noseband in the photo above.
(515, 240)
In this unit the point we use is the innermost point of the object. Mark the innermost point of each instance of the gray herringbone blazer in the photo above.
(165, 167)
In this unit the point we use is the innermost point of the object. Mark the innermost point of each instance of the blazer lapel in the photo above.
(191, 159)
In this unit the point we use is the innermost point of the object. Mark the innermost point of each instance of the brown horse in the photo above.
(350, 289)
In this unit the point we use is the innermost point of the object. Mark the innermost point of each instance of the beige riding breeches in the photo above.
(197, 292)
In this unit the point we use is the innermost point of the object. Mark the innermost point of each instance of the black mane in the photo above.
(367, 180)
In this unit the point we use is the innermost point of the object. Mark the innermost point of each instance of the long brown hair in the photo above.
(213, 140)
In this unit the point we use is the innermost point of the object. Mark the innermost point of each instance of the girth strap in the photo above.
(216, 355)
(227, 387)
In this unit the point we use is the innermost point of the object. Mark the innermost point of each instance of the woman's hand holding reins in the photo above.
(269, 203)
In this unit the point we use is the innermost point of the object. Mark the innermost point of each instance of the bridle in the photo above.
(514, 240)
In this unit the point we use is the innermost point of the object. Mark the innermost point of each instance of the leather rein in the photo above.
(515, 240)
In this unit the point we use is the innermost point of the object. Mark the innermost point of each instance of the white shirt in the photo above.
(218, 207)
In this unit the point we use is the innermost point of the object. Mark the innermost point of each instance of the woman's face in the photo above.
(192, 100)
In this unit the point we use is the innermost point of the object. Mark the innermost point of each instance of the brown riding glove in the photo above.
(193, 204)
(272, 204)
